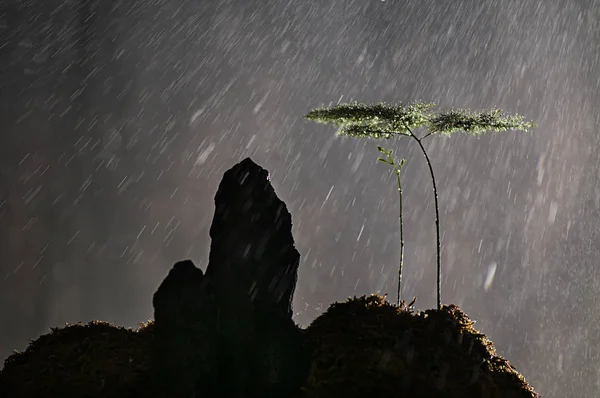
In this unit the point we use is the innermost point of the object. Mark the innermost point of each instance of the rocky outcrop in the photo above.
(251, 239)
(184, 346)
(367, 347)
(230, 332)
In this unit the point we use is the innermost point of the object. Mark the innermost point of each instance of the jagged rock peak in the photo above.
(252, 238)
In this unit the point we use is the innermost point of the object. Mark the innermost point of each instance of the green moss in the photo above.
(97, 360)
(360, 348)
(366, 346)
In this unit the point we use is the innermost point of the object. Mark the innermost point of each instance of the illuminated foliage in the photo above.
(386, 121)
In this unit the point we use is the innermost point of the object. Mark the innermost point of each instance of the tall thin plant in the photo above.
(389, 159)
(386, 121)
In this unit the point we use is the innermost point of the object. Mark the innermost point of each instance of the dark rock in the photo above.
(177, 299)
(230, 332)
(184, 349)
(251, 237)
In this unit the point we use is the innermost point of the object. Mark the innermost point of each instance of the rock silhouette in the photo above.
(184, 348)
(230, 332)
(251, 238)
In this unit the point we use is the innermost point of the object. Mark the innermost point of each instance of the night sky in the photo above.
(118, 119)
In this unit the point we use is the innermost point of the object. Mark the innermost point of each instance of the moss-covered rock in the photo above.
(229, 332)
(360, 348)
(94, 360)
(367, 347)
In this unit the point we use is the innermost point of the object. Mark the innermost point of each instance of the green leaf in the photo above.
(380, 120)
(476, 122)
(364, 131)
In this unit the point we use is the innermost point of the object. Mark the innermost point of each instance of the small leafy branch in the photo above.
(386, 121)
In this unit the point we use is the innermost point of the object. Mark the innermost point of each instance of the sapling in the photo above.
(386, 121)
(396, 167)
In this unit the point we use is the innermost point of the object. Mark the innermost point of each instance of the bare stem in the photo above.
(401, 238)
(437, 220)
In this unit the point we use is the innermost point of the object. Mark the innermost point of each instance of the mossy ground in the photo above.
(94, 360)
(360, 348)
(367, 347)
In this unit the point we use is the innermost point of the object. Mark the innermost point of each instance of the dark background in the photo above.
(118, 119)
